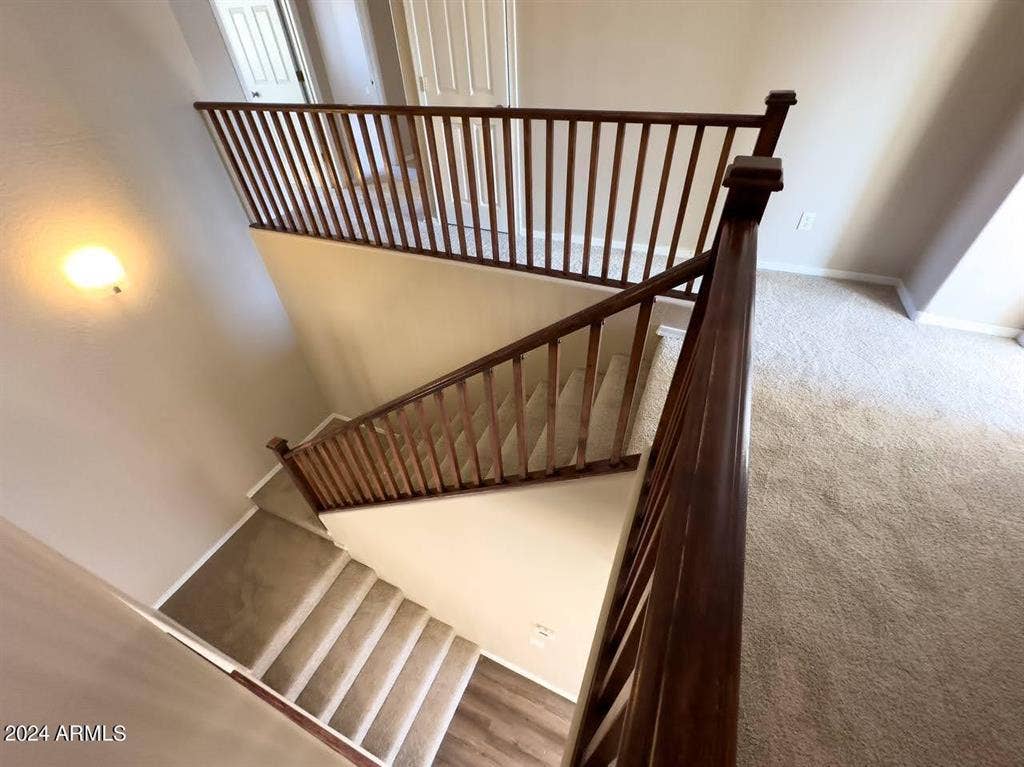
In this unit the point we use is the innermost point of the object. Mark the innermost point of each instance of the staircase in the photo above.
(324, 632)
(346, 647)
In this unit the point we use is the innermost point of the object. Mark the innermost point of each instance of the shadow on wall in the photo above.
(979, 108)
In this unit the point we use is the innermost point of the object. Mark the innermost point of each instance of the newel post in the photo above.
(777, 104)
(751, 181)
(280, 448)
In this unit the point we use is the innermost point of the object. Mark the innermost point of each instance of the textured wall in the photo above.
(132, 424)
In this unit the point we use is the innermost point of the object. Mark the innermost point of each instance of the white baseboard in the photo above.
(836, 274)
(908, 301)
(532, 677)
(251, 492)
(202, 560)
(927, 318)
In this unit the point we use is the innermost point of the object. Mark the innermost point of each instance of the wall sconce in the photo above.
(93, 267)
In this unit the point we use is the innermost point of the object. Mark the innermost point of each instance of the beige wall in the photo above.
(987, 286)
(495, 564)
(73, 653)
(376, 325)
(132, 424)
(871, 79)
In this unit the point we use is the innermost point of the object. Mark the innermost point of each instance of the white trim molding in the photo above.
(836, 274)
(927, 318)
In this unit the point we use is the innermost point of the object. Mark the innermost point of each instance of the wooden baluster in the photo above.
(570, 179)
(333, 474)
(329, 160)
(357, 162)
(471, 182)
(446, 431)
(442, 205)
(342, 156)
(357, 468)
(684, 198)
(380, 456)
(638, 181)
(333, 446)
(613, 193)
(492, 412)
(403, 168)
(510, 194)
(518, 385)
(666, 170)
(603, 747)
(435, 466)
(549, 135)
(288, 188)
(552, 402)
(485, 132)
(589, 386)
(236, 131)
(470, 433)
(595, 150)
(643, 321)
(709, 212)
(528, 186)
(403, 470)
(363, 453)
(242, 184)
(280, 448)
(407, 434)
(390, 167)
(410, 442)
(421, 177)
(318, 159)
(371, 159)
(453, 179)
(305, 462)
(266, 171)
(291, 152)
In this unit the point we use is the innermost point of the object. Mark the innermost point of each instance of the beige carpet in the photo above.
(885, 553)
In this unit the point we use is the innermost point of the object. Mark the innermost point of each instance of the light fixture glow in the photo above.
(93, 267)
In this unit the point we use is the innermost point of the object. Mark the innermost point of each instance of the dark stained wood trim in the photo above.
(306, 722)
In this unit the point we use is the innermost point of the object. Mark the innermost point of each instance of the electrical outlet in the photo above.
(540, 635)
(806, 222)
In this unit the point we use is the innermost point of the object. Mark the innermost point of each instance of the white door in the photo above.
(261, 51)
(460, 56)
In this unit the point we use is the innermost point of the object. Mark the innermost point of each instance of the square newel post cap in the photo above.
(278, 445)
(750, 181)
(787, 98)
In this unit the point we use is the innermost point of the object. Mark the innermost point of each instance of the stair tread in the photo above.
(604, 415)
(368, 692)
(333, 678)
(256, 590)
(431, 723)
(300, 658)
(389, 727)
(567, 425)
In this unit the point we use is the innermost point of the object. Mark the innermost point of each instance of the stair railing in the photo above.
(383, 176)
(665, 685)
(389, 453)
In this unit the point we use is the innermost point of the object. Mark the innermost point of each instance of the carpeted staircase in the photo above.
(345, 646)
(326, 633)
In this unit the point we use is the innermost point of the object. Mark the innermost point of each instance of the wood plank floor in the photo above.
(505, 720)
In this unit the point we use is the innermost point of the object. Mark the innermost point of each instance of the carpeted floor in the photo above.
(884, 613)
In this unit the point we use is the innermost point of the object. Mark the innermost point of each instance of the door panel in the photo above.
(259, 48)
(459, 54)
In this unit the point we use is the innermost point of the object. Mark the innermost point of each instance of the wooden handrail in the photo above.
(598, 312)
(340, 172)
(710, 119)
(665, 689)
